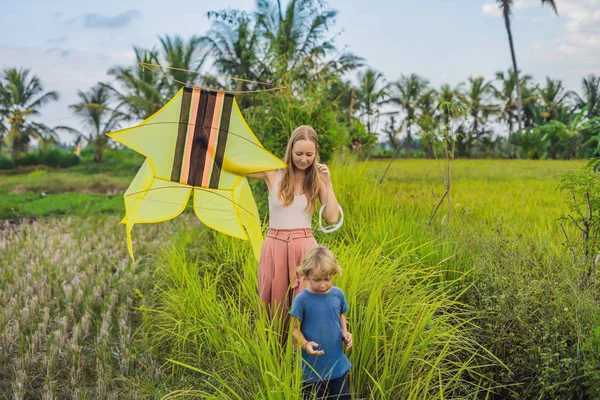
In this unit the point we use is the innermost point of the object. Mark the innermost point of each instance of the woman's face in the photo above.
(303, 154)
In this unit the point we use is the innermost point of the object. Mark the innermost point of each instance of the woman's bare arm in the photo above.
(267, 176)
(327, 197)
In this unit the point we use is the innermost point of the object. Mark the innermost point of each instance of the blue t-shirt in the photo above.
(320, 322)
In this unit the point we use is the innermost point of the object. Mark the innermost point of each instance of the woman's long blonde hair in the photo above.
(311, 180)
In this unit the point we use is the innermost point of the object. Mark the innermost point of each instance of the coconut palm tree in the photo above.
(505, 94)
(21, 98)
(407, 92)
(477, 99)
(144, 90)
(506, 7)
(590, 87)
(233, 41)
(184, 61)
(427, 121)
(141, 90)
(370, 95)
(94, 110)
(295, 38)
(552, 98)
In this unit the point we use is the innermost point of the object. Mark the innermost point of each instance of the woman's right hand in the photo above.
(310, 349)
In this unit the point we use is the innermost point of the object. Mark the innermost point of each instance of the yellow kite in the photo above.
(198, 142)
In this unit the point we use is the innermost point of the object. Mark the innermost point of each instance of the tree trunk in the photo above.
(514, 62)
(17, 142)
(351, 108)
(98, 153)
(510, 125)
(408, 140)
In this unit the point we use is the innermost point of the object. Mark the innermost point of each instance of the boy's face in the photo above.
(319, 284)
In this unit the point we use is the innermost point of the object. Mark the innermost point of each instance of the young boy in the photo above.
(319, 326)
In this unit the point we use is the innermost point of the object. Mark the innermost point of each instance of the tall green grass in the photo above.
(413, 337)
(487, 304)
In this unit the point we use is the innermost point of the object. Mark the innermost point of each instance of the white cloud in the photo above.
(491, 9)
(526, 3)
(579, 41)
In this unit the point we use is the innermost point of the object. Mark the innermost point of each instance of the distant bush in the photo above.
(121, 162)
(54, 158)
(6, 161)
(59, 159)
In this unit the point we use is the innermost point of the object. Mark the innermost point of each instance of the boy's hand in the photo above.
(310, 349)
(347, 336)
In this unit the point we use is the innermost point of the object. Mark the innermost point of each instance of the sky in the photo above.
(71, 44)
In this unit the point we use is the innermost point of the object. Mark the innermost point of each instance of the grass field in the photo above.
(486, 303)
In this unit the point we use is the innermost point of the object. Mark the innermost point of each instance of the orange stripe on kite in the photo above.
(214, 132)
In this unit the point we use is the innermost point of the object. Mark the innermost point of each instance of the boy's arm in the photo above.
(296, 332)
(344, 323)
(347, 336)
(299, 338)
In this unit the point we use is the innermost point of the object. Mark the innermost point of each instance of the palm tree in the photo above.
(407, 93)
(233, 41)
(591, 95)
(143, 90)
(505, 95)
(370, 95)
(95, 112)
(506, 7)
(476, 98)
(21, 98)
(294, 37)
(3, 128)
(184, 61)
(552, 97)
(428, 119)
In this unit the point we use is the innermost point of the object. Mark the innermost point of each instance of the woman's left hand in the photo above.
(324, 173)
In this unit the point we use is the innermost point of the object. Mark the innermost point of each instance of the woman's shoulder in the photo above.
(271, 177)
(271, 174)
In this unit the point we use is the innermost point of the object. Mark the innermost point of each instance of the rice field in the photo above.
(485, 302)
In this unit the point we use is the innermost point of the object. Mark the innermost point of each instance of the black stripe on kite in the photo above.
(223, 133)
(184, 116)
(200, 141)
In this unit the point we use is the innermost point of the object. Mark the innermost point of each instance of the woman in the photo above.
(293, 194)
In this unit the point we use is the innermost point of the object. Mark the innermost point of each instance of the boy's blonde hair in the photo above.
(320, 262)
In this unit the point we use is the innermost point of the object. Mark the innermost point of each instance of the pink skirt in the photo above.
(282, 252)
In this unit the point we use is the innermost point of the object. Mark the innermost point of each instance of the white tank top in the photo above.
(291, 217)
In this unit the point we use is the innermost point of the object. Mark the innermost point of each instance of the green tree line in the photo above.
(292, 47)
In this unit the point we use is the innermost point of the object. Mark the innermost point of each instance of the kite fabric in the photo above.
(198, 143)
